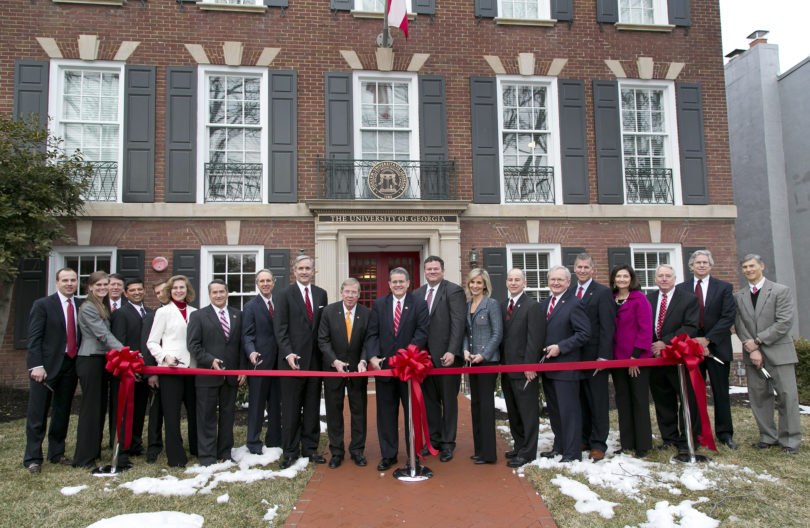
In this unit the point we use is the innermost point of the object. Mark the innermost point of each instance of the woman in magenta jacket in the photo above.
(633, 339)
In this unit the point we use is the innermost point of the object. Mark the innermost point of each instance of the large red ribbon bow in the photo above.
(124, 363)
(411, 364)
(686, 350)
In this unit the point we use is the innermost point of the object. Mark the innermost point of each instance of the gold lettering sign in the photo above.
(388, 218)
(387, 180)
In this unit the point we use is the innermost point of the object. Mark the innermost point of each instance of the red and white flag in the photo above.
(398, 15)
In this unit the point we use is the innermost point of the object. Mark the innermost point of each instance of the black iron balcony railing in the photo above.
(348, 179)
(649, 186)
(233, 182)
(528, 184)
(104, 183)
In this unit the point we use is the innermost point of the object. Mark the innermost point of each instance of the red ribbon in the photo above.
(413, 365)
(124, 363)
(686, 350)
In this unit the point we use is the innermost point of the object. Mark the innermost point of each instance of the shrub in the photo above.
(803, 369)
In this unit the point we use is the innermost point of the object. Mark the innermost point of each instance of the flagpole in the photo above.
(385, 40)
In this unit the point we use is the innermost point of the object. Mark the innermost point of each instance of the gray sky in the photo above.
(787, 21)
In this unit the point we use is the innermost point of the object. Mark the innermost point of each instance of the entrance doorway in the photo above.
(372, 268)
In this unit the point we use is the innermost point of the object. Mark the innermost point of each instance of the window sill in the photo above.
(659, 28)
(375, 14)
(525, 22)
(92, 2)
(210, 6)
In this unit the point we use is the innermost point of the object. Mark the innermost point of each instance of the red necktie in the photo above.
(397, 314)
(661, 313)
(754, 290)
(309, 305)
(226, 327)
(270, 307)
(699, 293)
(71, 331)
(551, 307)
(114, 306)
(509, 310)
(579, 292)
(430, 299)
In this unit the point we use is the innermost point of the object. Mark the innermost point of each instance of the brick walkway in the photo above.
(460, 493)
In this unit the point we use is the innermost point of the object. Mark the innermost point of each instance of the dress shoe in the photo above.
(151, 458)
(790, 450)
(287, 461)
(763, 445)
(665, 445)
(641, 453)
(567, 459)
(335, 461)
(318, 459)
(474, 457)
(516, 462)
(62, 461)
(549, 454)
(597, 455)
(255, 450)
(728, 442)
(510, 454)
(480, 461)
(360, 460)
(34, 468)
(386, 463)
(446, 456)
(585, 447)
(619, 452)
(136, 452)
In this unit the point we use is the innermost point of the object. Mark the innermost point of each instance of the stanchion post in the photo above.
(691, 457)
(413, 471)
(113, 469)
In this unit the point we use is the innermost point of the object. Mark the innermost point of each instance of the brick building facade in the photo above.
(232, 137)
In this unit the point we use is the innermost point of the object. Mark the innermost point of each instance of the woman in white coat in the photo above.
(167, 343)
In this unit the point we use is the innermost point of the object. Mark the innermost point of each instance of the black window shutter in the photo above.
(608, 133)
(495, 264)
(31, 90)
(187, 262)
(620, 255)
(181, 134)
(569, 256)
(341, 5)
(573, 142)
(433, 136)
(679, 13)
(424, 7)
(562, 10)
(692, 143)
(339, 178)
(139, 134)
(686, 252)
(607, 11)
(129, 263)
(278, 262)
(487, 9)
(31, 284)
(276, 3)
(283, 161)
(485, 155)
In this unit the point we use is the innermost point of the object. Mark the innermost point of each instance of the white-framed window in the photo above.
(528, 123)
(386, 113)
(232, 134)
(86, 104)
(525, 9)
(236, 265)
(83, 260)
(376, 6)
(647, 257)
(650, 142)
(646, 12)
(535, 260)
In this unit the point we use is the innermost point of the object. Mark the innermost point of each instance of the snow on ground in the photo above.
(664, 516)
(222, 499)
(72, 490)
(737, 390)
(271, 513)
(162, 519)
(500, 404)
(587, 500)
(804, 409)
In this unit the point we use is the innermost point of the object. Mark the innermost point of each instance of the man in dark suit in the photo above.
(259, 345)
(597, 300)
(397, 320)
(214, 339)
(126, 324)
(53, 342)
(446, 304)
(154, 433)
(716, 312)
(524, 334)
(567, 331)
(298, 315)
(340, 338)
(674, 312)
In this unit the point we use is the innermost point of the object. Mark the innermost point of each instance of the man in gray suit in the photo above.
(764, 317)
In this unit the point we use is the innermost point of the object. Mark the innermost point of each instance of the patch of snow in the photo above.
(271, 513)
(500, 404)
(161, 519)
(804, 409)
(586, 500)
(222, 499)
(67, 491)
(737, 390)
(682, 515)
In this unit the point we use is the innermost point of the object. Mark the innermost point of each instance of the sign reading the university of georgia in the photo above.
(371, 218)
(387, 180)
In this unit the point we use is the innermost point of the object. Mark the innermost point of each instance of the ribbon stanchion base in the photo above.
(415, 473)
(687, 458)
(110, 471)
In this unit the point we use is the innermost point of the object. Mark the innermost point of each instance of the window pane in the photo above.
(219, 263)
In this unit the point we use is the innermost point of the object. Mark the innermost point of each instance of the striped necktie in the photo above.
(551, 306)
(226, 327)
(397, 315)
(662, 312)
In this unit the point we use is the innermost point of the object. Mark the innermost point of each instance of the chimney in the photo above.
(758, 37)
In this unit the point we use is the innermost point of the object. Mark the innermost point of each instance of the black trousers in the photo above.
(174, 391)
(155, 430)
(215, 414)
(594, 398)
(40, 400)
(441, 405)
(264, 392)
(390, 394)
(665, 390)
(482, 409)
(300, 416)
(94, 381)
(523, 410)
(718, 378)
(565, 414)
(633, 405)
(334, 391)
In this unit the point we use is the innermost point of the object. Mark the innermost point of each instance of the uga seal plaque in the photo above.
(387, 180)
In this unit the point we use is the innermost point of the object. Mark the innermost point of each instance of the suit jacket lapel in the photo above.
(762, 299)
(213, 317)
